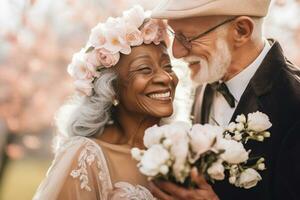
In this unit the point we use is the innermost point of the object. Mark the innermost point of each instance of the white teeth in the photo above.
(160, 95)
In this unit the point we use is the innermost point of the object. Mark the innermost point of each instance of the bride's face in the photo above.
(146, 82)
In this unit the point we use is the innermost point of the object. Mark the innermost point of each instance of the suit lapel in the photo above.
(261, 83)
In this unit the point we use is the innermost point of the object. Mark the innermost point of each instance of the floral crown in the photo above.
(106, 42)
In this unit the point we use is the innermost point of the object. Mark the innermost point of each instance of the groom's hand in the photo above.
(168, 191)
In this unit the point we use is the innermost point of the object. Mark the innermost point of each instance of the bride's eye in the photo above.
(168, 68)
(145, 69)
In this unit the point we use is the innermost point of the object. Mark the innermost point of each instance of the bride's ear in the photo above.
(242, 30)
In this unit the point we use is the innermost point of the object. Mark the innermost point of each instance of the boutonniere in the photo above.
(217, 152)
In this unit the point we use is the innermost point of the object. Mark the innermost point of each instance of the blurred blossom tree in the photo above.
(38, 38)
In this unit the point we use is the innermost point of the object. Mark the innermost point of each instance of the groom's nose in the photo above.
(179, 51)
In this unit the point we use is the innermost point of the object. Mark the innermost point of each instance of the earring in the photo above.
(115, 102)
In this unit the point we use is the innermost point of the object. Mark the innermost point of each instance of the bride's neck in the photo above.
(132, 126)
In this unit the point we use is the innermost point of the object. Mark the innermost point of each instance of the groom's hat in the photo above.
(174, 9)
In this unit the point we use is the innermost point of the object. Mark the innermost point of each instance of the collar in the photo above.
(238, 83)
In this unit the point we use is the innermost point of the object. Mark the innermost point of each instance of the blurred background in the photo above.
(37, 40)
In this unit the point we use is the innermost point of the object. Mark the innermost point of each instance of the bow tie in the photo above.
(223, 89)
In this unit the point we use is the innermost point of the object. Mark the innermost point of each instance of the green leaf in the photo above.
(91, 48)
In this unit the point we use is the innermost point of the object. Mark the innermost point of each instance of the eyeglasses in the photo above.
(187, 42)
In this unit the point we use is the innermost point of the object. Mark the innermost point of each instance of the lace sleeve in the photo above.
(80, 172)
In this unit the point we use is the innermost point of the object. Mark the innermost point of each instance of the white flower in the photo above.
(136, 153)
(241, 118)
(167, 143)
(78, 68)
(153, 135)
(97, 38)
(228, 137)
(133, 36)
(232, 179)
(240, 126)
(261, 166)
(177, 133)
(267, 134)
(258, 121)
(231, 127)
(203, 136)
(248, 179)
(115, 32)
(237, 137)
(152, 160)
(216, 170)
(235, 152)
(164, 169)
(260, 138)
(134, 16)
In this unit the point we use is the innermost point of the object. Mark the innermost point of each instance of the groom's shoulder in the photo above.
(287, 84)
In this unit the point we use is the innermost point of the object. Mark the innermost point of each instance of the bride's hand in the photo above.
(169, 191)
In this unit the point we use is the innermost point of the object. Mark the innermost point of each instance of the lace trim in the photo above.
(126, 191)
(91, 153)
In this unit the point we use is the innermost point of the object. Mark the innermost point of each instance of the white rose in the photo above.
(202, 137)
(240, 126)
(231, 127)
(136, 153)
(248, 179)
(97, 38)
(115, 36)
(216, 170)
(133, 36)
(177, 134)
(241, 118)
(258, 121)
(78, 68)
(153, 135)
(152, 160)
(235, 152)
(232, 179)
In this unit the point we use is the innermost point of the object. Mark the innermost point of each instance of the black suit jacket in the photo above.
(274, 90)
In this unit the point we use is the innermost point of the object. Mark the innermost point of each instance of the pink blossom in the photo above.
(149, 31)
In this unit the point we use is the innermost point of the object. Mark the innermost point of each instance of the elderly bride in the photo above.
(127, 85)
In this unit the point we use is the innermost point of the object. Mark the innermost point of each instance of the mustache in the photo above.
(192, 59)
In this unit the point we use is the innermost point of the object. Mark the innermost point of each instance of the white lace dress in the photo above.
(83, 170)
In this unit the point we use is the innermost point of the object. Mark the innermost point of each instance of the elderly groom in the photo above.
(238, 71)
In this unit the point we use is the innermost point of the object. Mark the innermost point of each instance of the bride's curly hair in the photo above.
(87, 115)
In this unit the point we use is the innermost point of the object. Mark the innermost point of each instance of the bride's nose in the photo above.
(162, 77)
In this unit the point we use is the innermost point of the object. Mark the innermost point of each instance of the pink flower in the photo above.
(107, 58)
(133, 36)
(78, 68)
(149, 31)
(161, 33)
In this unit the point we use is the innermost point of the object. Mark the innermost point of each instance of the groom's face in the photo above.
(209, 56)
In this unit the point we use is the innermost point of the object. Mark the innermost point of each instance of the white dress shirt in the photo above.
(220, 111)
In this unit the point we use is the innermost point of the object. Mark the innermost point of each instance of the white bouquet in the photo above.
(174, 149)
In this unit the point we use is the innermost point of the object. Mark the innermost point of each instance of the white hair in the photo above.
(86, 116)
